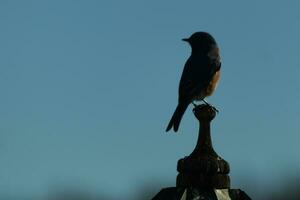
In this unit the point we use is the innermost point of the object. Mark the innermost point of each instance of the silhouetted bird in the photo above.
(200, 74)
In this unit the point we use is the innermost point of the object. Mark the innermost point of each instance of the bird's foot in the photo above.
(214, 108)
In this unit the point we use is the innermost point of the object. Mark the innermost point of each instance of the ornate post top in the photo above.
(203, 167)
(204, 113)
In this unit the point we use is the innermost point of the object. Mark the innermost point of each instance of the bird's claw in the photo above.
(214, 109)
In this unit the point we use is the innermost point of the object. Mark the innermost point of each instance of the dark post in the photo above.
(203, 174)
(203, 168)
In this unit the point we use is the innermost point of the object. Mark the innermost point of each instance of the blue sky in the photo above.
(87, 89)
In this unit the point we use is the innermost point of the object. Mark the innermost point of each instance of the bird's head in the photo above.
(201, 41)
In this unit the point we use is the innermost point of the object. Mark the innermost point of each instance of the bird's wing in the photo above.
(197, 73)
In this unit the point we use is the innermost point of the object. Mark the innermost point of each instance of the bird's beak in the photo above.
(185, 39)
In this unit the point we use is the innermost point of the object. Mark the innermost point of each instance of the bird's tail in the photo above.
(177, 116)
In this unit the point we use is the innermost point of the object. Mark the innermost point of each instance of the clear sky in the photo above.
(88, 87)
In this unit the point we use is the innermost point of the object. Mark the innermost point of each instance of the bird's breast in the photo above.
(207, 91)
(213, 83)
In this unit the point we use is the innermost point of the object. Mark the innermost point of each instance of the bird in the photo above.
(200, 75)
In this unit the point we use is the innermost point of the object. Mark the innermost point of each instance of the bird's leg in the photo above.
(206, 102)
(214, 108)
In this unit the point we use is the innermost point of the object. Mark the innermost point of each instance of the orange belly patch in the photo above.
(210, 88)
(213, 84)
